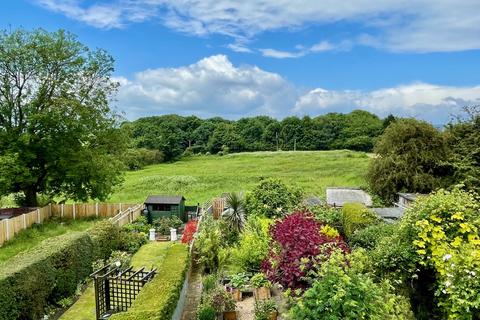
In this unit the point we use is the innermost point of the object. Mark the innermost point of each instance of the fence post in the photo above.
(96, 209)
(120, 207)
(74, 211)
(24, 221)
(38, 216)
(49, 210)
(7, 228)
(61, 212)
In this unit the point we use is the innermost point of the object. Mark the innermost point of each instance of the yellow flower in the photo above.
(458, 216)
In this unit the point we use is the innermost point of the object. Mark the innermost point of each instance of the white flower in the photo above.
(444, 291)
(448, 284)
(118, 263)
(447, 257)
(279, 209)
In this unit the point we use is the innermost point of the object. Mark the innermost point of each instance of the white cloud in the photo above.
(214, 86)
(301, 50)
(412, 26)
(209, 87)
(421, 100)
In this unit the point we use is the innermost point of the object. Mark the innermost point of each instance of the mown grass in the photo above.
(150, 255)
(29, 238)
(200, 178)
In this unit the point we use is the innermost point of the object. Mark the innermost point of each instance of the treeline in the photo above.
(175, 135)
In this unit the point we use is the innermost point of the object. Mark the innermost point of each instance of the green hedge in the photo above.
(52, 270)
(158, 299)
(356, 216)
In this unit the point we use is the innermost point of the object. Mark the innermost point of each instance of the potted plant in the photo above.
(261, 286)
(266, 310)
(237, 282)
(224, 304)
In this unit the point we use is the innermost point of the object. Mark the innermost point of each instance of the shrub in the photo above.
(264, 308)
(208, 245)
(209, 282)
(105, 238)
(356, 216)
(206, 312)
(121, 257)
(259, 280)
(189, 231)
(369, 237)
(33, 279)
(272, 198)
(158, 299)
(296, 238)
(131, 241)
(163, 225)
(138, 158)
(327, 215)
(341, 292)
(139, 225)
(253, 245)
(238, 280)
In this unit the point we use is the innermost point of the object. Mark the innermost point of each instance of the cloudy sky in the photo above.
(235, 58)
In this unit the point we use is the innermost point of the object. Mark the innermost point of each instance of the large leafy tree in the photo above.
(411, 156)
(58, 135)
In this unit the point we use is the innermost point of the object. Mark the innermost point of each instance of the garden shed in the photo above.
(165, 206)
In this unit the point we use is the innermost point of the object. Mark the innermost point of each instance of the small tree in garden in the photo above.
(189, 231)
(296, 239)
(236, 216)
(272, 198)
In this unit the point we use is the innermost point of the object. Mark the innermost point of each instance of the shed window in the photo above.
(161, 207)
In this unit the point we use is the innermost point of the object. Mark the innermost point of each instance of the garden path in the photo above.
(194, 293)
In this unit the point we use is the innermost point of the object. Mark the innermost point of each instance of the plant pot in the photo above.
(236, 294)
(262, 293)
(273, 315)
(230, 315)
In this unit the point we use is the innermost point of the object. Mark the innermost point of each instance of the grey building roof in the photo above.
(388, 214)
(159, 199)
(313, 201)
(409, 196)
(339, 196)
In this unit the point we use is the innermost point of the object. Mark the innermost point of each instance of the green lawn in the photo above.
(202, 177)
(149, 255)
(29, 238)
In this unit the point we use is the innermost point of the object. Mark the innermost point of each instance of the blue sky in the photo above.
(276, 57)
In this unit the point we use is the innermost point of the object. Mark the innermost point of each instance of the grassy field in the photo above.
(29, 238)
(203, 177)
(150, 256)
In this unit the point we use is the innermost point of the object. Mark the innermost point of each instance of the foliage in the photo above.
(369, 237)
(132, 241)
(136, 159)
(411, 156)
(295, 238)
(139, 225)
(33, 279)
(264, 308)
(355, 216)
(163, 224)
(222, 300)
(259, 280)
(272, 198)
(236, 216)
(158, 298)
(206, 312)
(326, 215)
(209, 282)
(120, 259)
(253, 245)
(189, 231)
(463, 137)
(329, 231)
(447, 239)
(238, 280)
(341, 292)
(105, 238)
(208, 244)
(58, 135)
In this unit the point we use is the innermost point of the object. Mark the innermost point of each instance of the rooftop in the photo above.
(337, 196)
(160, 199)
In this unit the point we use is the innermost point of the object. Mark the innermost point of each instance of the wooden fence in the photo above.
(127, 216)
(10, 227)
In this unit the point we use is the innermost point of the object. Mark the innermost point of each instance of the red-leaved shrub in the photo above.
(296, 237)
(189, 231)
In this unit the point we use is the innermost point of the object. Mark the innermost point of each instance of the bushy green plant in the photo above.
(163, 225)
(208, 244)
(369, 237)
(342, 292)
(327, 215)
(118, 259)
(238, 280)
(206, 312)
(355, 216)
(260, 280)
(264, 308)
(139, 225)
(209, 282)
(253, 245)
(235, 217)
(222, 300)
(272, 198)
(132, 241)
(105, 237)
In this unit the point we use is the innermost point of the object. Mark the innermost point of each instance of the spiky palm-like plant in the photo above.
(236, 213)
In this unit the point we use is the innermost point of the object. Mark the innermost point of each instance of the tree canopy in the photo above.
(58, 135)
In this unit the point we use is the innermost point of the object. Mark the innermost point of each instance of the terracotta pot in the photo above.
(236, 294)
(230, 315)
(273, 315)
(262, 293)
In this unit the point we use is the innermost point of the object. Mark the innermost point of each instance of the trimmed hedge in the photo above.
(356, 216)
(52, 270)
(158, 299)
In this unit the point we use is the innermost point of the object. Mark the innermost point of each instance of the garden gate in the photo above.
(115, 289)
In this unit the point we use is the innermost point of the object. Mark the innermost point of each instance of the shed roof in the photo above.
(389, 213)
(339, 196)
(160, 199)
(409, 196)
(313, 201)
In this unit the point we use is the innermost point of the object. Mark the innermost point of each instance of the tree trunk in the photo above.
(30, 197)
